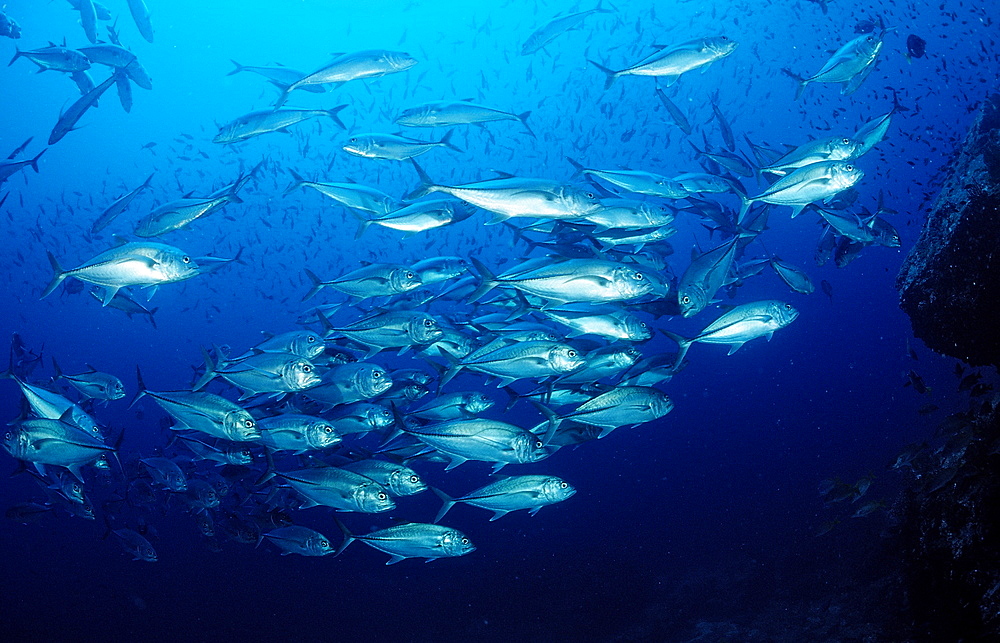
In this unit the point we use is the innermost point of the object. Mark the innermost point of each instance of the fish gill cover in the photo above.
(281, 277)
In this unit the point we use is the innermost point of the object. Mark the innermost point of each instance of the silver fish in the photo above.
(531, 492)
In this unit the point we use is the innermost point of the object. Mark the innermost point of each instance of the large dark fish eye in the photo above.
(414, 479)
(186, 259)
(465, 541)
(849, 168)
(788, 306)
(324, 543)
(590, 195)
(306, 368)
(376, 374)
(409, 275)
(428, 323)
(846, 141)
(248, 424)
(382, 496)
(564, 485)
(870, 39)
(328, 428)
(354, 140)
(538, 444)
(685, 299)
(310, 339)
(638, 276)
(572, 353)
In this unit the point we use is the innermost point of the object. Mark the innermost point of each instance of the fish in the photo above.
(670, 62)
(337, 488)
(132, 263)
(9, 27)
(570, 280)
(479, 439)
(402, 329)
(373, 280)
(88, 18)
(281, 76)
(915, 47)
(607, 322)
(398, 479)
(621, 406)
(140, 15)
(126, 304)
(453, 406)
(834, 148)
(207, 413)
(297, 433)
(54, 58)
(69, 118)
(277, 120)
(531, 492)
(808, 184)
(10, 167)
(676, 115)
(740, 325)
(351, 195)
(393, 147)
(92, 383)
(359, 65)
(118, 206)
(412, 540)
(704, 276)
(849, 66)
(180, 213)
(509, 197)
(637, 181)
(556, 27)
(419, 217)
(792, 276)
(303, 541)
(261, 373)
(348, 383)
(57, 442)
(526, 359)
(131, 541)
(451, 113)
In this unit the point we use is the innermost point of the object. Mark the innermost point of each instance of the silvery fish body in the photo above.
(338, 488)
(414, 540)
(298, 433)
(531, 492)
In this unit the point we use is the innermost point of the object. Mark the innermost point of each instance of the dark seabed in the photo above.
(768, 503)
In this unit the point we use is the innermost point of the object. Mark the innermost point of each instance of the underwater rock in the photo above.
(948, 532)
(950, 281)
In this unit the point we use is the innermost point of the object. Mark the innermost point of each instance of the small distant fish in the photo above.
(917, 382)
(915, 47)
(827, 289)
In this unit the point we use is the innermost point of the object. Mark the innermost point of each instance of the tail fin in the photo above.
(799, 79)
(299, 182)
(55, 366)
(141, 387)
(683, 344)
(553, 420)
(209, 371)
(152, 320)
(426, 184)
(34, 162)
(448, 501)
(578, 168)
(17, 54)
(145, 184)
(238, 69)
(57, 278)
(610, 73)
(332, 113)
(523, 117)
(446, 141)
(348, 537)
(269, 469)
(363, 225)
(489, 280)
(316, 287)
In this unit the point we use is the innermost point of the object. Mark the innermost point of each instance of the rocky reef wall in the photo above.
(950, 282)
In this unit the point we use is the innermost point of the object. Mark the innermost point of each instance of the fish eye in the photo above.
(354, 140)
(409, 275)
(248, 424)
(428, 323)
(414, 479)
(685, 299)
(465, 541)
(76, 488)
(849, 168)
(328, 428)
(564, 485)
(376, 374)
(186, 259)
(724, 37)
(846, 141)
(306, 368)
(324, 543)
(590, 195)
(638, 276)
(572, 353)
(538, 444)
(310, 339)
(382, 496)
(870, 39)
(788, 306)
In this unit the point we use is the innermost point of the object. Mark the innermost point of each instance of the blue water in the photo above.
(717, 500)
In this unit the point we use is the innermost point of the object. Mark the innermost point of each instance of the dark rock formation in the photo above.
(950, 281)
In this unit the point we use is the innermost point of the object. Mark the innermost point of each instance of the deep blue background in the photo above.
(723, 489)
